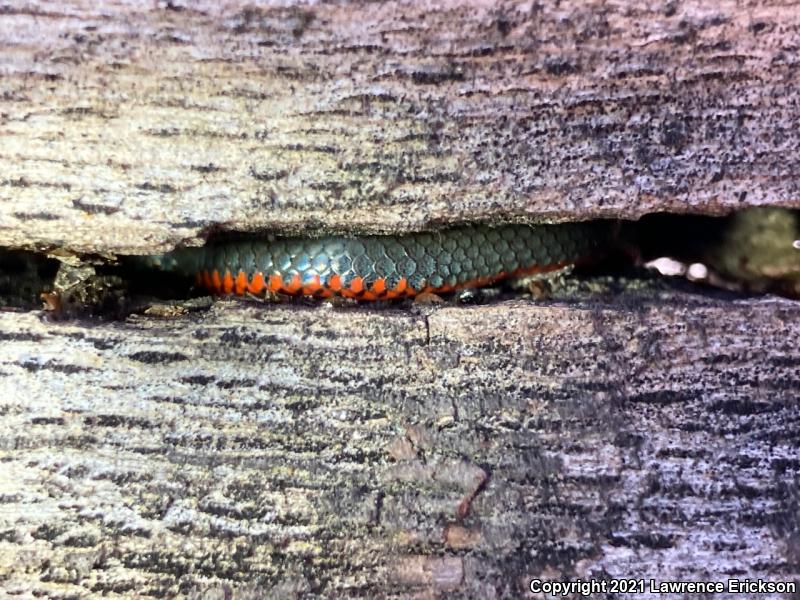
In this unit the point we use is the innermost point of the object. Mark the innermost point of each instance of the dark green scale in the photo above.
(450, 257)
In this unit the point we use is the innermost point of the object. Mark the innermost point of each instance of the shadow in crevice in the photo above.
(752, 251)
(24, 277)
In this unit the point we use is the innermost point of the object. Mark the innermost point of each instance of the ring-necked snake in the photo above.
(377, 267)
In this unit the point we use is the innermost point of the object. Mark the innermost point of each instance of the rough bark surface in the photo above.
(290, 451)
(130, 127)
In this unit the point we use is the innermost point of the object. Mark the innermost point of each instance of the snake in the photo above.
(385, 267)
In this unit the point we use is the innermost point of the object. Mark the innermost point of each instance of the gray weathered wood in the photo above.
(326, 451)
(129, 127)
(289, 451)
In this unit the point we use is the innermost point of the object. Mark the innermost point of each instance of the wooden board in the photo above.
(299, 452)
(130, 127)
(290, 451)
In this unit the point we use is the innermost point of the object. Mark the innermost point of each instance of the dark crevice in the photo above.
(24, 276)
(754, 251)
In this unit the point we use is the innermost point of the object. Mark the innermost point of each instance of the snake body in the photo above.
(376, 267)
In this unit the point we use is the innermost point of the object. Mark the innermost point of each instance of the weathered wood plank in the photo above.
(290, 451)
(295, 451)
(129, 127)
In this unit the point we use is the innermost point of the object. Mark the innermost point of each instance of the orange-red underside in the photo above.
(258, 284)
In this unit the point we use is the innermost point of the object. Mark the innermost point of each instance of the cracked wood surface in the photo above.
(130, 127)
(296, 451)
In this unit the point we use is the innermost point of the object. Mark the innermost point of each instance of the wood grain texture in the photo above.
(288, 451)
(130, 127)
(305, 452)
